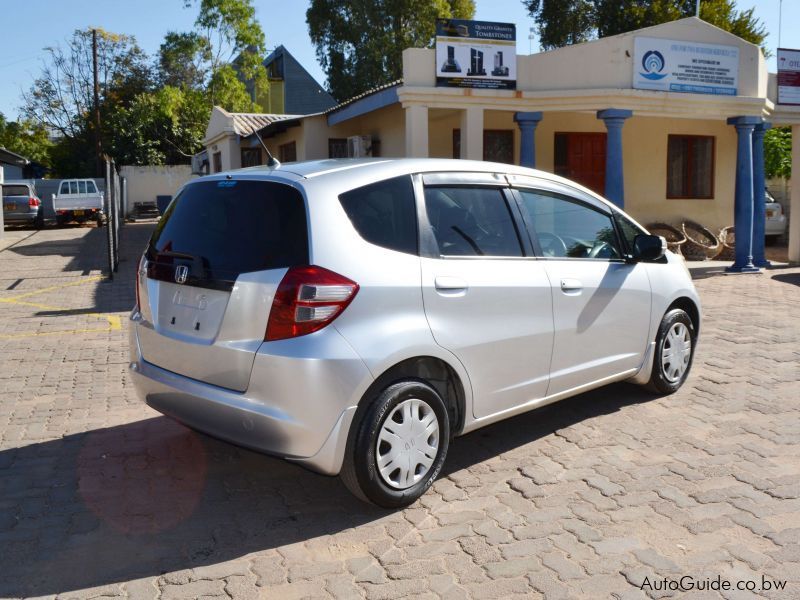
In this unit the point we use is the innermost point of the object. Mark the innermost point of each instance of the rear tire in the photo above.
(674, 352)
(398, 448)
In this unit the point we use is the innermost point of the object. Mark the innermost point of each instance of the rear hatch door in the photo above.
(210, 274)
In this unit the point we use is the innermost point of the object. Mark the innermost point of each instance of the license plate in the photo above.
(77, 213)
(770, 214)
(10, 207)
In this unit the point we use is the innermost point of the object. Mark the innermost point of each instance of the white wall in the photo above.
(147, 182)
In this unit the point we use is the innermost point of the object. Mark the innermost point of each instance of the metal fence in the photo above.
(114, 210)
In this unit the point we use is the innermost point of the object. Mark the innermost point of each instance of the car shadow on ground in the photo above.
(791, 278)
(152, 497)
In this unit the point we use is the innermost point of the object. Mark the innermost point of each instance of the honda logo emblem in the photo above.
(181, 273)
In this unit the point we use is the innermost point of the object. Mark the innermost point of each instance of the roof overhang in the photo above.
(364, 105)
(641, 102)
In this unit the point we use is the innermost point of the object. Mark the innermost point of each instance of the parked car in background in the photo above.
(775, 223)
(78, 200)
(21, 205)
(355, 315)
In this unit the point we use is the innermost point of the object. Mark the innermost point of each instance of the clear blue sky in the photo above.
(52, 21)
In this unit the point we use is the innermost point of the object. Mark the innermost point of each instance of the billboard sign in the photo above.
(675, 66)
(476, 54)
(788, 76)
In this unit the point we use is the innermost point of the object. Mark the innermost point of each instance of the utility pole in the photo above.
(780, 21)
(697, 11)
(97, 146)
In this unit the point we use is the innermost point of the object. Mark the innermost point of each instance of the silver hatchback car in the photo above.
(355, 315)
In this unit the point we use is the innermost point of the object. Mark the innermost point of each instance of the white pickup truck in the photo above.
(78, 200)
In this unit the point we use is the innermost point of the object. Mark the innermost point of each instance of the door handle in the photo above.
(571, 286)
(450, 285)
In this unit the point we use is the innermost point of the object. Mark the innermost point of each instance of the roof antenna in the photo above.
(271, 161)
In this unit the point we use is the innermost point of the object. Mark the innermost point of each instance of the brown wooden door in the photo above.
(582, 158)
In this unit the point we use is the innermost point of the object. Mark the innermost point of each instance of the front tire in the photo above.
(674, 352)
(400, 445)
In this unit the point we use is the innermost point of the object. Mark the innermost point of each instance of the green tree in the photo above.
(61, 98)
(232, 36)
(563, 22)
(183, 60)
(359, 43)
(778, 152)
(27, 138)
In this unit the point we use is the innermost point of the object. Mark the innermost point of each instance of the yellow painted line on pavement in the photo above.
(114, 322)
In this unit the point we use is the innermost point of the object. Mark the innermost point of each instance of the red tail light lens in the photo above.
(308, 299)
(33, 202)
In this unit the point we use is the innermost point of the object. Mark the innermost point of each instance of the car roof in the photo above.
(342, 172)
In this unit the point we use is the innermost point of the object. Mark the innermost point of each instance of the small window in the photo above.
(384, 213)
(288, 152)
(337, 147)
(64, 187)
(498, 145)
(90, 187)
(251, 157)
(217, 160)
(566, 228)
(628, 229)
(82, 187)
(690, 167)
(471, 221)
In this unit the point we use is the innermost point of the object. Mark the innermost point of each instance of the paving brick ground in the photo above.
(102, 497)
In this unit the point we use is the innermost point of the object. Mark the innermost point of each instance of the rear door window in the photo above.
(384, 213)
(64, 187)
(81, 187)
(471, 221)
(90, 187)
(220, 229)
(73, 187)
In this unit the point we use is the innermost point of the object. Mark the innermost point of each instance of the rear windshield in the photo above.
(220, 229)
(15, 190)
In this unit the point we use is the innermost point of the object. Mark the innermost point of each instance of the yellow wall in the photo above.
(645, 156)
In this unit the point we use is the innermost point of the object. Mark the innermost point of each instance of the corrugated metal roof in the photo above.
(369, 92)
(246, 123)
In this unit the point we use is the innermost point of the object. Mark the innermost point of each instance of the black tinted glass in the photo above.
(569, 229)
(220, 229)
(471, 221)
(628, 229)
(15, 190)
(384, 213)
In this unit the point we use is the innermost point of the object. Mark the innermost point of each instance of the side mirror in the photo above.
(648, 248)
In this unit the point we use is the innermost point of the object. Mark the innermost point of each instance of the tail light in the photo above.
(33, 202)
(308, 299)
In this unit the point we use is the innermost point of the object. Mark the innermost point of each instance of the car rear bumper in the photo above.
(20, 217)
(296, 407)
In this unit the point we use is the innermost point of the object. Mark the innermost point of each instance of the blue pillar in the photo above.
(527, 122)
(743, 203)
(614, 119)
(759, 183)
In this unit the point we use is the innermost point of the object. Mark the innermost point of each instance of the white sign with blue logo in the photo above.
(675, 66)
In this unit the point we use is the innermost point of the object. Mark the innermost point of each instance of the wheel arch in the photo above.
(689, 306)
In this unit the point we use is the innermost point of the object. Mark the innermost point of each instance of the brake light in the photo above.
(33, 202)
(308, 298)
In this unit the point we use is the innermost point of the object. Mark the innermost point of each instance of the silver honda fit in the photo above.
(355, 315)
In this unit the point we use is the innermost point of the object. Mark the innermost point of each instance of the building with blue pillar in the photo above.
(640, 118)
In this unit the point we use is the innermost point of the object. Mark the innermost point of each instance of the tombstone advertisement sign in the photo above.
(788, 76)
(476, 54)
(675, 66)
